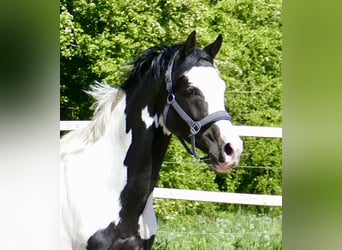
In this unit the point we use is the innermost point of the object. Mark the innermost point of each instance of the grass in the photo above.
(242, 229)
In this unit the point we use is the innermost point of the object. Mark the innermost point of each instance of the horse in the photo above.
(110, 167)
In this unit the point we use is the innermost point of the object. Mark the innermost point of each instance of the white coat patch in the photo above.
(92, 180)
(147, 220)
(145, 116)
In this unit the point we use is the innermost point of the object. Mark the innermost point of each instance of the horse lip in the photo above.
(223, 167)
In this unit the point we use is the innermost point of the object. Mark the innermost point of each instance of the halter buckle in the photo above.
(195, 128)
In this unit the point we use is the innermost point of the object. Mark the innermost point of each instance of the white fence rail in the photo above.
(254, 131)
(209, 196)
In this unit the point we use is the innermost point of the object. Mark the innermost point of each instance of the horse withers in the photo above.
(109, 168)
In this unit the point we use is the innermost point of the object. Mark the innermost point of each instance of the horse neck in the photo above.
(144, 106)
(144, 155)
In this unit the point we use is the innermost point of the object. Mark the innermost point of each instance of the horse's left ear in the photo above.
(189, 45)
(213, 48)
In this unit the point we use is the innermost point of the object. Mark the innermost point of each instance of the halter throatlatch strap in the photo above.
(195, 126)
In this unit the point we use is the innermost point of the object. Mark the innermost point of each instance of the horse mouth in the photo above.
(223, 167)
(224, 163)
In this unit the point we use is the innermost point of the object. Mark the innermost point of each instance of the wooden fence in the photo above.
(209, 196)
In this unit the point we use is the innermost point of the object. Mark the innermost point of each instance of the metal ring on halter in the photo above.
(170, 98)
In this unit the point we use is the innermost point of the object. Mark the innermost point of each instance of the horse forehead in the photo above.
(207, 79)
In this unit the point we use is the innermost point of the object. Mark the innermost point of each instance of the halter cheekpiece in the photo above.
(194, 126)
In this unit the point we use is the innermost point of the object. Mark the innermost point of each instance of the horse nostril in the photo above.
(228, 149)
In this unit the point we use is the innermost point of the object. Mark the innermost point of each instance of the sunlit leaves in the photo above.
(98, 36)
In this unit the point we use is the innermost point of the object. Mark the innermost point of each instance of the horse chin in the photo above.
(220, 163)
(224, 167)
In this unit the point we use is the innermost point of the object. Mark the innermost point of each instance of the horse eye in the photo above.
(191, 91)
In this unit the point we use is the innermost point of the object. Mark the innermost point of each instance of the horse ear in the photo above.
(189, 45)
(213, 48)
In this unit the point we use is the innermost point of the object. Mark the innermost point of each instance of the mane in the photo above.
(106, 99)
(155, 59)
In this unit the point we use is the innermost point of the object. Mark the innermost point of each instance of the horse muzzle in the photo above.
(225, 153)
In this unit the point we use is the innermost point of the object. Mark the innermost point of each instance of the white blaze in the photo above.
(207, 80)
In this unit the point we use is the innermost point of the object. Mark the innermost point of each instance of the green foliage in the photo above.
(181, 171)
(260, 170)
(221, 230)
(98, 36)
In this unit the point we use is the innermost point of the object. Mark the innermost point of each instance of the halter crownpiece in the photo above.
(195, 126)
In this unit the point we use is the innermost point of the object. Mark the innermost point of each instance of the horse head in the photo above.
(194, 107)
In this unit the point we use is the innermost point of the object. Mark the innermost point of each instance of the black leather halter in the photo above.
(195, 126)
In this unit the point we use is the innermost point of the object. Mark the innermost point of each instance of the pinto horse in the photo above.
(110, 167)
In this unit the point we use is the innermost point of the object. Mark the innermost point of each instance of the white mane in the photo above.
(106, 99)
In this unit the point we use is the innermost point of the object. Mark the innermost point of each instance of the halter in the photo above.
(195, 126)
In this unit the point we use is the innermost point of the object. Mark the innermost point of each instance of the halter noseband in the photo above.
(195, 126)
